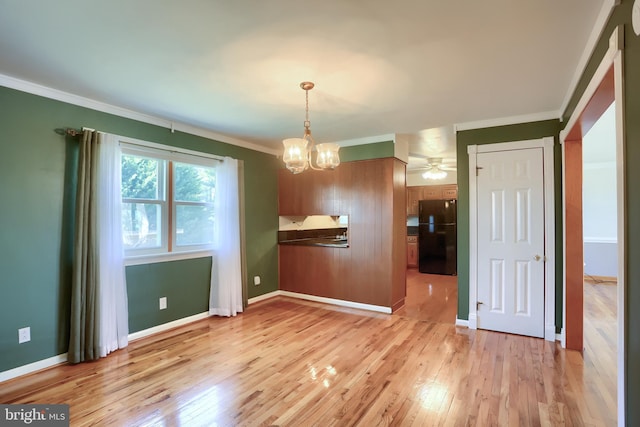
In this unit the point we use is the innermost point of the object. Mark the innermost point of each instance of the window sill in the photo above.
(171, 256)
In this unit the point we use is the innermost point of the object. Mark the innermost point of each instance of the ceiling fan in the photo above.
(435, 168)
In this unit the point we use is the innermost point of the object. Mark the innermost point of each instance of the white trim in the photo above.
(339, 302)
(263, 297)
(33, 367)
(546, 144)
(472, 151)
(549, 241)
(69, 98)
(462, 323)
(505, 121)
(618, 78)
(601, 21)
(606, 240)
(165, 256)
(613, 57)
(166, 326)
(607, 61)
(62, 358)
(559, 337)
(563, 341)
(325, 300)
(367, 140)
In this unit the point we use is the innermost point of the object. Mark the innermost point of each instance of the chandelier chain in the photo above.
(307, 124)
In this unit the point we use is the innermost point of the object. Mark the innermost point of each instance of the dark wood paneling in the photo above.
(372, 269)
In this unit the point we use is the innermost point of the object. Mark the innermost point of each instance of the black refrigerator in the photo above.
(437, 237)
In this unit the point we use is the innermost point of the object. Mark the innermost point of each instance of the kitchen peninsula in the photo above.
(371, 268)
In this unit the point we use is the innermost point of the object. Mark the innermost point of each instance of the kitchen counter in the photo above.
(330, 242)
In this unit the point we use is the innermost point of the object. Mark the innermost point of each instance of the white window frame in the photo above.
(135, 147)
(174, 208)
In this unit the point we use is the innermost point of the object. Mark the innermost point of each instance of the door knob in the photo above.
(537, 257)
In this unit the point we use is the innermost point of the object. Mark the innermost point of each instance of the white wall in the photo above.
(599, 197)
(415, 179)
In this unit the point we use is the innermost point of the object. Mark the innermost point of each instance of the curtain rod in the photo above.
(77, 132)
(71, 131)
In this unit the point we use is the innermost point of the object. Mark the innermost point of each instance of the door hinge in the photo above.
(478, 304)
(478, 169)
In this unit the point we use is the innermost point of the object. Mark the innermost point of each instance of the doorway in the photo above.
(532, 272)
(606, 86)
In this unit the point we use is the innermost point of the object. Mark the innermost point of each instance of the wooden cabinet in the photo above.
(449, 191)
(429, 192)
(309, 193)
(412, 251)
(413, 195)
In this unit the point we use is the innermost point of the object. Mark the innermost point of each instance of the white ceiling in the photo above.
(234, 67)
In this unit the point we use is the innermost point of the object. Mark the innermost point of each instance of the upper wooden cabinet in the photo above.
(413, 195)
(309, 193)
(429, 192)
(450, 191)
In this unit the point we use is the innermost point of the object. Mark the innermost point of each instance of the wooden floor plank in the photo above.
(290, 362)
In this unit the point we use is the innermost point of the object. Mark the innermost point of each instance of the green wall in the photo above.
(519, 132)
(631, 60)
(147, 283)
(376, 150)
(37, 190)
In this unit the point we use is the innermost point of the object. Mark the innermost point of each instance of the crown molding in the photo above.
(596, 32)
(367, 140)
(69, 98)
(506, 121)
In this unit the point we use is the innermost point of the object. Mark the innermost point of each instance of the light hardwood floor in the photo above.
(430, 297)
(287, 362)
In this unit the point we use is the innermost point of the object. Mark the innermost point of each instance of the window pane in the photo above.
(194, 183)
(194, 225)
(140, 177)
(141, 226)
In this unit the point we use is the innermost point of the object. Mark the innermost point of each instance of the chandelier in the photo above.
(298, 151)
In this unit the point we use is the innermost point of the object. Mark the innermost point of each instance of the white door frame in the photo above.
(549, 229)
(613, 57)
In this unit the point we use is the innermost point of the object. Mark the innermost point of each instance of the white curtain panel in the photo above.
(113, 305)
(225, 297)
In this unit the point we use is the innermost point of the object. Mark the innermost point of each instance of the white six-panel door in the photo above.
(510, 239)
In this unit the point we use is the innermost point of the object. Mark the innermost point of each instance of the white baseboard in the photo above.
(166, 326)
(62, 358)
(263, 297)
(339, 302)
(473, 321)
(33, 367)
(325, 300)
(462, 322)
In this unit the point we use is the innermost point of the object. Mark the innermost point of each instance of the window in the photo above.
(167, 202)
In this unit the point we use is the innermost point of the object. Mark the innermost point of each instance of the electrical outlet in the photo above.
(256, 280)
(163, 303)
(24, 335)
